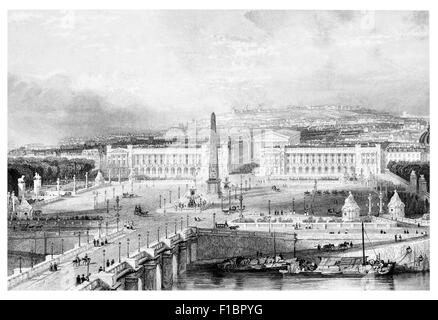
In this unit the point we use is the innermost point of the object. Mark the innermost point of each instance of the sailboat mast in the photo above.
(363, 245)
(275, 251)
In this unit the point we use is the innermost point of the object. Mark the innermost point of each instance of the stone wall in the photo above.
(415, 259)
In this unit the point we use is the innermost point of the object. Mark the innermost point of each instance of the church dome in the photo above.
(424, 138)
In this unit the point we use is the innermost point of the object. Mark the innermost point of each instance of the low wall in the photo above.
(39, 268)
(416, 259)
(216, 244)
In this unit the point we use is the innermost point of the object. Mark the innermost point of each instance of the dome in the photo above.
(395, 201)
(424, 138)
(350, 203)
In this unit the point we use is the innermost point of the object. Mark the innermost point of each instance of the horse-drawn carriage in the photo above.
(138, 211)
(275, 188)
(128, 195)
(225, 226)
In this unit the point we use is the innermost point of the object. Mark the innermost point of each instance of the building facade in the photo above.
(178, 162)
(318, 162)
(404, 153)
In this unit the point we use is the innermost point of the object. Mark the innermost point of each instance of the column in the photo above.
(182, 258)
(175, 258)
(167, 276)
(150, 275)
(369, 204)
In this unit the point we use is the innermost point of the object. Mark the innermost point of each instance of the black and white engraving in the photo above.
(218, 150)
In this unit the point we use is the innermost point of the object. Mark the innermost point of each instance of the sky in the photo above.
(92, 72)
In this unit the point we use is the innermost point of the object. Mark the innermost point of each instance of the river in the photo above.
(209, 278)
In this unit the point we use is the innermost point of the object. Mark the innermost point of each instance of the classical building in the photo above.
(180, 162)
(409, 153)
(350, 209)
(396, 207)
(319, 162)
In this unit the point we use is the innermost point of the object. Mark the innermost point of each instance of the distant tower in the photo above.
(213, 182)
(396, 207)
(37, 184)
(350, 209)
(21, 187)
(413, 181)
(422, 184)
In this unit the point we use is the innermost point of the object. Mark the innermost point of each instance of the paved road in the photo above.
(148, 198)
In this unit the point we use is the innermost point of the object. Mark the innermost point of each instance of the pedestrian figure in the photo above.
(100, 269)
(112, 261)
(51, 266)
(78, 279)
(55, 267)
(107, 263)
(351, 244)
(395, 237)
(106, 241)
(83, 278)
(399, 237)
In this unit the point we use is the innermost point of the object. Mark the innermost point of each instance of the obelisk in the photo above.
(213, 182)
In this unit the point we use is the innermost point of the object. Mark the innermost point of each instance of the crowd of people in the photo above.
(98, 243)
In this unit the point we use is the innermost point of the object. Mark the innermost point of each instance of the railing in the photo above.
(39, 268)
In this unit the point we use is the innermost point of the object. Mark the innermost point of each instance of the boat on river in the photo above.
(254, 264)
(333, 266)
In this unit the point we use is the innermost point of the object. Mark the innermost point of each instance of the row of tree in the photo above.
(404, 168)
(50, 169)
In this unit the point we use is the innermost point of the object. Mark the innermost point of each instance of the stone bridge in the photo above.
(157, 265)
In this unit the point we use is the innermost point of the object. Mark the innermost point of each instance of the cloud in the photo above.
(48, 110)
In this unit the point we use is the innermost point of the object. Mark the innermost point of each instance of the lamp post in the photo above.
(31, 259)
(165, 228)
(127, 245)
(175, 225)
(139, 236)
(158, 234)
(120, 249)
(117, 222)
(107, 204)
(269, 207)
(187, 221)
(88, 235)
(79, 238)
(182, 223)
(62, 246)
(51, 249)
(214, 219)
(164, 205)
(106, 228)
(147, 239)
(293, 204)
(295, 241)
(159, 206)
(103, 259)
(170, 196)
(19, 258)
(100, 227)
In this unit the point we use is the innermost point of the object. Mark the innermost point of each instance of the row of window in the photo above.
(156, 159)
